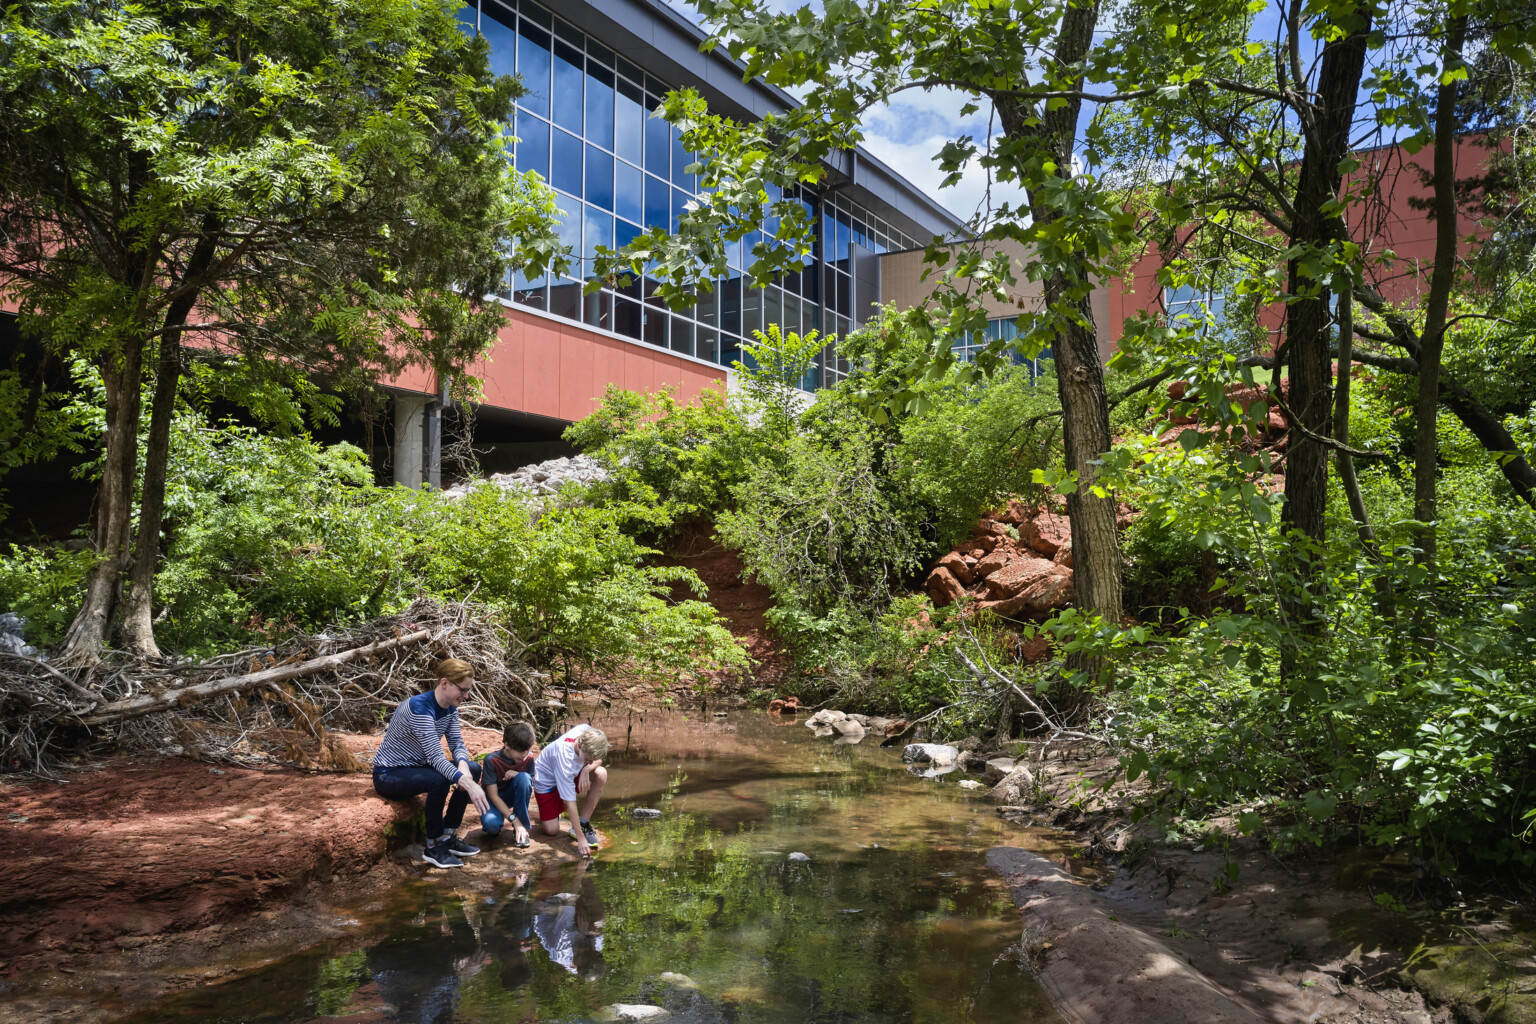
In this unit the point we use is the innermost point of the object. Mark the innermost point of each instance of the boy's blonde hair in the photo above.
(453, 669)
(593, 743)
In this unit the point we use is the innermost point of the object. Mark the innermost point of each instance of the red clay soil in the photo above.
(137, 847)
(744, 605)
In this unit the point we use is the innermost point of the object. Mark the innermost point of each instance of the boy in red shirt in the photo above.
(509, 781)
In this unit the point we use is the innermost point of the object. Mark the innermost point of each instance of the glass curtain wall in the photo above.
(584, 124)
(1006, 329)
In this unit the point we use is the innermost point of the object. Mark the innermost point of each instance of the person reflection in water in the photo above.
(572, 934)
(508, 937)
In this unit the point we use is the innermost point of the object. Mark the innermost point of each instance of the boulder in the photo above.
(972, 762)
(969, 784)
(645, 812)
(1017, 787)
(861, 719)
(678, 980)
(997, 769)
(957, 566)
(1051, 593)
(849, 729)
(799, 858)
(1046, 533)
(1016, 575)
(925, 753)
(993, 562)
(823, 731)
(943, 588)
(1064, 555)
(785, 706)
(826, 716)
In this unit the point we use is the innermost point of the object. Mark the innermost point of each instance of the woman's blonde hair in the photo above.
(453, 669)
(593, 743)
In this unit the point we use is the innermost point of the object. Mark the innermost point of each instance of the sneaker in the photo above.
(438, 854)
(590, 832)
(459, 847)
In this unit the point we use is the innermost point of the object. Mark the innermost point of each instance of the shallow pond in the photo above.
(894, 918)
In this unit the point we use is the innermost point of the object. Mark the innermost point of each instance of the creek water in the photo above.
(893, 918)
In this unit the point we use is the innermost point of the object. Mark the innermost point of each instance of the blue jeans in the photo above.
(403, 783)
(515, 794)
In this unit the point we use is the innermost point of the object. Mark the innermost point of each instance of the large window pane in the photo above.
(773, 308)
(658, 146)
(569, 227)
(681, 158)
(598, 230)
(499, 26)
(629, 192)
(544, 19)
(730, 306)
(679, 202)
(751, 312)
(597, 310)
(467, 18)
(791, 321)
(658, 203)
(624, 233)
(600, 106)
(706, 344)
(599, 188)
(682, 336)
(565, 163)
(568, 87)
(629, 123)
(533, 67)
(565, 300)
(627, 318)
(655, 329)
(532, 145)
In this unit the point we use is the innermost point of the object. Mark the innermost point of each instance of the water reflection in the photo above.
(893, 918)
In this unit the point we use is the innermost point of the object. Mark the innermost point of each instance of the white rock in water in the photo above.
(645, 812)
(630, 1011)
(562, 897)
(938, 753)
(969, 784)
(799, 857)
(678, 980)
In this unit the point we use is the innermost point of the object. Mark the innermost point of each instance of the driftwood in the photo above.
(169, 700)
(269, 705)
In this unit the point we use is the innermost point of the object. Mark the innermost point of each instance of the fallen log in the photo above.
(135, 707)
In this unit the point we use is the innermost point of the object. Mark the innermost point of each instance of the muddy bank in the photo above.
(176, 872)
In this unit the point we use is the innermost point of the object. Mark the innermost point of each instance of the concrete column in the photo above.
(418, 441)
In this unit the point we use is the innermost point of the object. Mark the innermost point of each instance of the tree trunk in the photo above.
(138, 618)
(112, 523)
(1079, 370)
(1432, 341)
(1307, 320)
(1345, 461)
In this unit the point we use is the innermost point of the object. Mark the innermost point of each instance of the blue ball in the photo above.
(491, 821)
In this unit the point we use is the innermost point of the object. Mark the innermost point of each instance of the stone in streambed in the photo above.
(799, 858)
(924, 753)
(645, 812)
(997, 769)
(824, 717)
(849, 730)
(1017, 787)
(678, 980)
(969, 784)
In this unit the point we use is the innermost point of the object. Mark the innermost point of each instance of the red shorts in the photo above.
(550, 805)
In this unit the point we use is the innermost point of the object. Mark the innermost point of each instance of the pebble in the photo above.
(645, 812)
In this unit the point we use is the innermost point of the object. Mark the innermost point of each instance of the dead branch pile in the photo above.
(265, 705)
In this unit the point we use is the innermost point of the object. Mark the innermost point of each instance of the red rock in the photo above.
(993, 562)
(943, 587)
(1017, 575)
(1064, 553)
(1052, 593)
(1177, 389)
(956, 564)
(1277, 423)
(1046, 533)
(784, 707)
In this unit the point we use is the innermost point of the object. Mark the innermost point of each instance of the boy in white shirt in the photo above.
(568, 768)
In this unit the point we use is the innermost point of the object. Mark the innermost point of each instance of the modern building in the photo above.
(594, 70)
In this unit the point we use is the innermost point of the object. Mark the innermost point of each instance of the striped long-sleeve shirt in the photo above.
(414, 738)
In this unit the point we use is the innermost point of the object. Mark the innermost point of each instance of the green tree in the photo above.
(319, 185)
